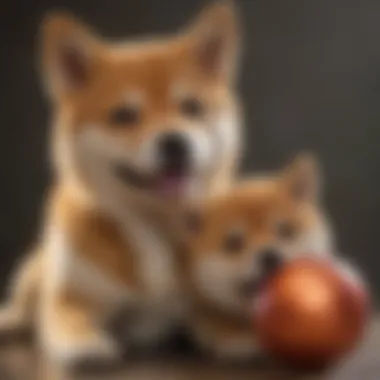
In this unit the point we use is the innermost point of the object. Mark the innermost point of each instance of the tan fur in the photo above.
(23, 294)
(222, 313)
(105, 245)
(98, 239)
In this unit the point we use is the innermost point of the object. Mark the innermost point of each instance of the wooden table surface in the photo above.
(18, 361)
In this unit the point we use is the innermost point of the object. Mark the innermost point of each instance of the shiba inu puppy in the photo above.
(238, 239)
(139, 129)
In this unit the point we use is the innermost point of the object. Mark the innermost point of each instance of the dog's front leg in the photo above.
(70, 333)
(226, 341)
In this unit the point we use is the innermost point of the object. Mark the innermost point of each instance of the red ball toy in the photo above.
(311, 313)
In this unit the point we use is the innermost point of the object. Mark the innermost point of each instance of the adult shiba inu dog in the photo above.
(139, 129)
(238, 239)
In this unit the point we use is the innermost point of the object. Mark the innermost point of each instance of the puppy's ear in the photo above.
(69, 54)
(302, 178)
(215, 38)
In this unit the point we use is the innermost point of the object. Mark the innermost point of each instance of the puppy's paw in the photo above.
(98, 351)
(12, 322)
(239, 349)
(350, 273)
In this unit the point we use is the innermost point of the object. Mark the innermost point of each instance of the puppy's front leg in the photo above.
(70, 333)
(227, 341)
(238, 348)
(17, 313)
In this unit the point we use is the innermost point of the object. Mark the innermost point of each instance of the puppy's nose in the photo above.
(270, 260)
(174, 150)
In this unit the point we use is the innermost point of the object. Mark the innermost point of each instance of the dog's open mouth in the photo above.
(169, 182)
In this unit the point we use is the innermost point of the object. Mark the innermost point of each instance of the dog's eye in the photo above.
(192, 107)
(233, 242)
(124, 115)
(286, 230)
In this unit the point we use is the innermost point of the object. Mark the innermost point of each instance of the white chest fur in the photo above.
(161, 304)
(155, 257)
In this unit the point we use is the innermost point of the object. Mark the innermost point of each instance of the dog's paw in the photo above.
(350, 273)
(12, 322)
(99, 351)
(239, 349)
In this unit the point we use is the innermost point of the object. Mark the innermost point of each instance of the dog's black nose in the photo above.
(173, 150)
(270, 260)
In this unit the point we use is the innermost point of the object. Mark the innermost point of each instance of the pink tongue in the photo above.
(170, 185)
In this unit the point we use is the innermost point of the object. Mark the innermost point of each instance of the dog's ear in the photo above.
(215, 38)
(302, 178)
(69, 54)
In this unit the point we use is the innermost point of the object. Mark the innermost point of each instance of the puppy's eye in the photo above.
(286, 230)
(192, 107)
(233, 242)
(124, 115)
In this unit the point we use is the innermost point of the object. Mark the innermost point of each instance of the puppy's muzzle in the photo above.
(174, 152)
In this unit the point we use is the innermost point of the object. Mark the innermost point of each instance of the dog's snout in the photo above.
(270, 260)
(173, 149)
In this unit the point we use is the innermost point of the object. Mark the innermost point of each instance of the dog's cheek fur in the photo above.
(316, 240)
(227, 133)
(217, 278)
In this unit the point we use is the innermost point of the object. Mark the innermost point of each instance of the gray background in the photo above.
(310, 80)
